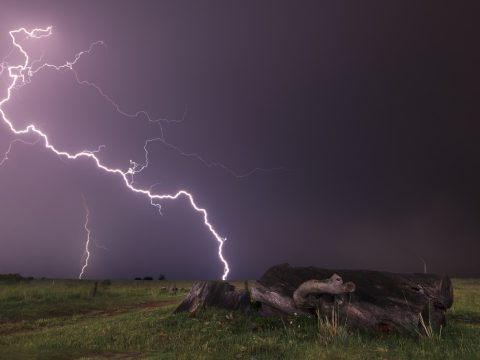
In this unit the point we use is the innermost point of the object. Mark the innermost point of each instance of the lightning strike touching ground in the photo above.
(86, 254)
(21, 75)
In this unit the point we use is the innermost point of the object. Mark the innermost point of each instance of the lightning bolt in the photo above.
(86, 254)
(21, 75)
(10, 147)
(69, 65)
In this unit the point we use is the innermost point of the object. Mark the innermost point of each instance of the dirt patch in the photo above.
(468, 321)
(128, 308)
(470, 318)
(120, 356)
(14, 327)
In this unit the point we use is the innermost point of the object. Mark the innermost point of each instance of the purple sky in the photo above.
(371, 106)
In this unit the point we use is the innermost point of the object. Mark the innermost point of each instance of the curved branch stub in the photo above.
(331, 286)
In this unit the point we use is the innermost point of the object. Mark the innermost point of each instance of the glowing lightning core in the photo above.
(86, 254)
(21, 74)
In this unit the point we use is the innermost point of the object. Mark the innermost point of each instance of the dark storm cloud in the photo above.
(372, 107)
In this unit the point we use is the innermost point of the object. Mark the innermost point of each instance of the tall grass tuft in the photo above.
(428, 330)
(330, 329)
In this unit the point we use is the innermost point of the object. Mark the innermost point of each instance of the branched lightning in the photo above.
(100, 246)
(218, 164)
(21, 75)
(86, 254)
(10, 147)
(69, 65)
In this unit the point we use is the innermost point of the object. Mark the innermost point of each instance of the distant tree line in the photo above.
(14, 277)
(160, 277)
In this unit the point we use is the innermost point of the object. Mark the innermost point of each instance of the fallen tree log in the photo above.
(368, 300)
(371, 300)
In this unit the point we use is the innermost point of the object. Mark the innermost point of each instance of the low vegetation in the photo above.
(51, 319)
(13, 278)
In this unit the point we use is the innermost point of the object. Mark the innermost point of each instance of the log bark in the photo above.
(374, 300)
(218, 294)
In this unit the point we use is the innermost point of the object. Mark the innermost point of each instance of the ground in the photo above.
(46, 319)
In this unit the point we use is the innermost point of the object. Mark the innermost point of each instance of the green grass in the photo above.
(133, 320)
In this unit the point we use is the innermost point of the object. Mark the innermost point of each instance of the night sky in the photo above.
(370, 109)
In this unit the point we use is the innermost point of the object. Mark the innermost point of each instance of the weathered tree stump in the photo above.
(371, 300)
(218, 294)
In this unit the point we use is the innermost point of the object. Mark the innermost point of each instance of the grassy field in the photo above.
(45, 319)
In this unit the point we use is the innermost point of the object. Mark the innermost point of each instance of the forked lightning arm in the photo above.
(20, 75)
(10, 146)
